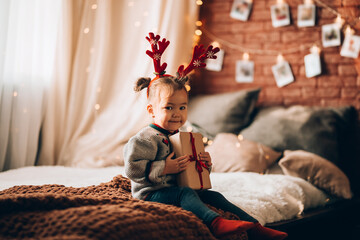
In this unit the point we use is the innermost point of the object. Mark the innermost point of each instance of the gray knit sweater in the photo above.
(145, 155)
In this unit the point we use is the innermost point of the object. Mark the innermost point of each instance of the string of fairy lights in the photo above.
(93, 9)
(345, 22)
(340, 19)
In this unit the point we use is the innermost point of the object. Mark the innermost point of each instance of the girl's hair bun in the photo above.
(142, 83)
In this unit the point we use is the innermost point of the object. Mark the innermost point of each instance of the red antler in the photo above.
(158, 48)
(197, 61)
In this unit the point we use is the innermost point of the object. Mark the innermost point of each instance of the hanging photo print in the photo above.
(241, 9)
(331, 35)
(280, 15)
(312, 65)
(215, 64)
(351, 46)
(306, 15)
(282, 73)
(244, 71)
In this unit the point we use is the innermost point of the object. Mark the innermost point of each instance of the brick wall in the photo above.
(339, 83)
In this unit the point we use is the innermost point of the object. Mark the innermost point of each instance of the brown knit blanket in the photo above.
(105, 211)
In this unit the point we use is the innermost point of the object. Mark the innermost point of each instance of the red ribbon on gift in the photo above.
(199, 165)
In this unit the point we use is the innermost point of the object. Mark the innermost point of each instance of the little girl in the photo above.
(152, 168)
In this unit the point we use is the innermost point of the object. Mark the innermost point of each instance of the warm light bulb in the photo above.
(308, 2)
(86, 30)
(198, 32)
(315, 49)
(97, 106)
(339, 20)
(240, 137)
(198, 23)
(246, 56)
(199, 2)
(188, 88)
(94, 6)
(349, 31)
(196, 38)
(280, 58)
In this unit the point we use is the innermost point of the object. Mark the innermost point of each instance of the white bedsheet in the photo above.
(268, 198)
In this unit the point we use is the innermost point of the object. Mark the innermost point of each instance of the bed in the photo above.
(65, 202)
(292, 168)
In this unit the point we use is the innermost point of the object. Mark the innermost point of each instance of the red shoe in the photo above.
(260, 232)
(221, 226)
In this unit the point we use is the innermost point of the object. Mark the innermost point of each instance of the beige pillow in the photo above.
(232, 153)
(317, 170)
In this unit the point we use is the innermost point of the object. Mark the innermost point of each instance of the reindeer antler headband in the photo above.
(158, 48)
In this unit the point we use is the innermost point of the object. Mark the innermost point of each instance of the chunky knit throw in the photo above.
(105, 211)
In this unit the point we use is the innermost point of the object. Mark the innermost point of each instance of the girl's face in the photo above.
(170, 112)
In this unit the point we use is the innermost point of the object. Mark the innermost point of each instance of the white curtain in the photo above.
(27, 52)
(92, 109)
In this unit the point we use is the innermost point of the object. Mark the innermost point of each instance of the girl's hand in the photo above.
(176, 165)
(205, 157)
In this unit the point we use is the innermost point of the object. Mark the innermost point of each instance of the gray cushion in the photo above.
(314, 129)
(226, 112)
